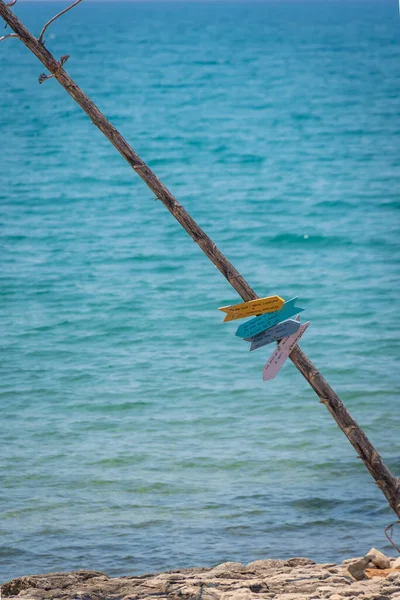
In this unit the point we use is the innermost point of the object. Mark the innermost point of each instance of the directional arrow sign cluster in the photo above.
(272, 324)
(277, 332)
(254, 307)
(282, 352)
(255, 326)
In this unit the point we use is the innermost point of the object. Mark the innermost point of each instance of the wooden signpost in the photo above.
(389, 484)
(255, 326)
(253, 307)
(282, 352)
(270, 326)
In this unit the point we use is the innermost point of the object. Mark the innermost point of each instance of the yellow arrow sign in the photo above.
(253, 307)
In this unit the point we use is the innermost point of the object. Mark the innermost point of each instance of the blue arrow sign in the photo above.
(255, 326)
(275, 333)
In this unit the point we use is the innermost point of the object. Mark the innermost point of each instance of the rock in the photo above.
(350, 561)
(394, 575)
(48, 581)
(396, 564)
(294, 579)
(300, 561)
(390, 589)
(371, 573)
(357, 569)
(228, 570)
(378, 559)
(327, 591)
(267, 564)
(291, 596)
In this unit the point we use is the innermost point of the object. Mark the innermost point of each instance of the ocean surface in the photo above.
(136, 431)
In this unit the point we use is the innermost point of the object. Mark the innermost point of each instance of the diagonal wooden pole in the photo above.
(389, 484)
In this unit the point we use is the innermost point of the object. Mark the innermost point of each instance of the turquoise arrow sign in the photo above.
(275, 333)
(255, 326)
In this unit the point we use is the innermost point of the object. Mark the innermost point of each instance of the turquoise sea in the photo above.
(136, 432)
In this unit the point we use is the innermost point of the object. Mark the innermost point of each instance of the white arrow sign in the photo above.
(282, 352)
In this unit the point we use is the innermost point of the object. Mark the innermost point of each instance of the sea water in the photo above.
(136, 431)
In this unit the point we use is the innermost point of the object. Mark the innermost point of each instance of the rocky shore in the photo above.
(368, 578)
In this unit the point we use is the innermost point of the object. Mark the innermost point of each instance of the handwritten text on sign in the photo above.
(275, 333)
(253, 307)
(255, 326)
(282, 352)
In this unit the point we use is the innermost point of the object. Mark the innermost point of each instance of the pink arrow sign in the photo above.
(282, 352)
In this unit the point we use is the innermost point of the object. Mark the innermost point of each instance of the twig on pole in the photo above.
(9, 35)
(389, 534)
(385, 480)
(42, 77)
(9, 4)
(40, 38)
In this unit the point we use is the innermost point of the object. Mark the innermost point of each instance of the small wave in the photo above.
(107, 408)
(119, 461)
(312, 504)
(241, 530)
(306, 116)
(241, 159)
(309, 240)
(8, 551)
(323, 523)
(341, 204)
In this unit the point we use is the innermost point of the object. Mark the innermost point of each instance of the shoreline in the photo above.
(293, 579)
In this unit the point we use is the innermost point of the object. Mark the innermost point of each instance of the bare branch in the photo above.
(389, 535)
(9, 35)
(42, 77)
(40, 38)
(9, 5)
